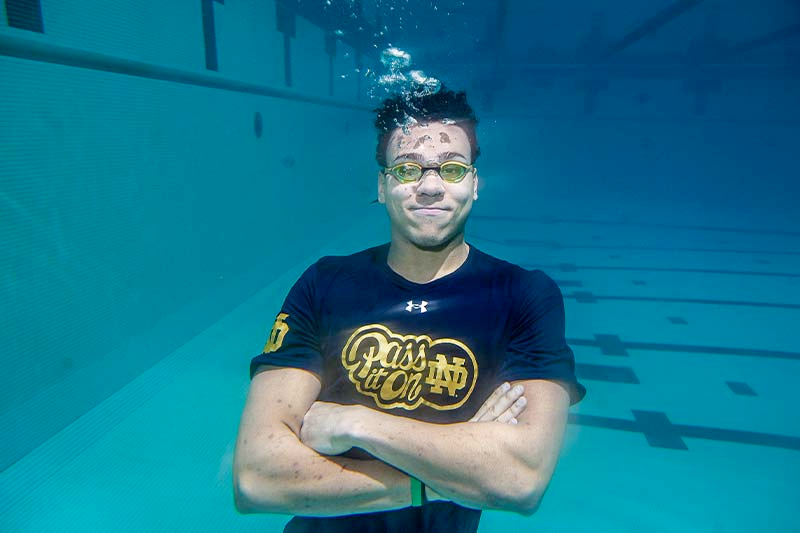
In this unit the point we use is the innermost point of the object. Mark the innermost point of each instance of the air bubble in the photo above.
(399, 81)
(394, 59)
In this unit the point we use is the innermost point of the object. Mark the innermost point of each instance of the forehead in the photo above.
(428, 139)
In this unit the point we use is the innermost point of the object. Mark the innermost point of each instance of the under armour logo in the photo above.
(422, 306)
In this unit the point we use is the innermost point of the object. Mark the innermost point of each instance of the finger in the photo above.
(495, 404)
(503, 403)
(513, 412)
(498, 392)
(518, 406)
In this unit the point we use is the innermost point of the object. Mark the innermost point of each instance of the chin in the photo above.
(431, 247)
(432, 243)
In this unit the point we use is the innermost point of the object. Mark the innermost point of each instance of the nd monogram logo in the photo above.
(409, 370)
(279, 331)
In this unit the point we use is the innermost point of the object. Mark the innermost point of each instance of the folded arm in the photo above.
(487, 465)
(274, 472)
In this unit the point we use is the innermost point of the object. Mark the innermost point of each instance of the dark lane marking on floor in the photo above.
(661, 433)
(613, 345)
(630, 223)
(554, 245)
(742, 389)
(610, 345)
(590, 297)
(584, 297)
(568, 283)
(572, 267)
(607, 373)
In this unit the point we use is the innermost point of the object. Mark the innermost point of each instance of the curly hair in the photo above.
(444, 104)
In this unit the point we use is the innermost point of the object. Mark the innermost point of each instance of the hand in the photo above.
(323, 428)
(504, 405)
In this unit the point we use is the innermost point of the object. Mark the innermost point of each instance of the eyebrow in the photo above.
(445, 156)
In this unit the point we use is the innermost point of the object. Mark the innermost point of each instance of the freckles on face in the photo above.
(430, 212)
(427, 141)
(422, 140)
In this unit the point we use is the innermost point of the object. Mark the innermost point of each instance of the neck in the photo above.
(421, 265)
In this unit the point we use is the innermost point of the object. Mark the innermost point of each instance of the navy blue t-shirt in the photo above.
(429, 351)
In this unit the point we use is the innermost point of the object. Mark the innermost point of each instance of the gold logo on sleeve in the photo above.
(409, 370)
(279, 331)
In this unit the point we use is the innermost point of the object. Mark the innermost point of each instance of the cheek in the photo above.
(400, 192)
(464, 194)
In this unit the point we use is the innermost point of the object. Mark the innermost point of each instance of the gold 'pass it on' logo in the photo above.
(279, 331)
(409, 370)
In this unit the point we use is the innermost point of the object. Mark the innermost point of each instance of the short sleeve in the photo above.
(537, 347)
(294, 338)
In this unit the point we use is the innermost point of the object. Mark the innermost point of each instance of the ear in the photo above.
(475, 184)
(381, 187)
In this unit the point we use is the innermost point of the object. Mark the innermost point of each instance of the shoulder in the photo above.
(363, 259)
(518, 278)
(332, 267)
(331, 273)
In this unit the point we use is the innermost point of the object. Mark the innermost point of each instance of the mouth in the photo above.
(429, 210)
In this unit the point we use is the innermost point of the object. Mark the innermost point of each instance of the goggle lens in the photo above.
(450, 171)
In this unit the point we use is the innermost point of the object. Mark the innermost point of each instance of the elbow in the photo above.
(241, 494)
(241, 505)
(527, 506)
(525, 503)
(522, 498)
(251, 494)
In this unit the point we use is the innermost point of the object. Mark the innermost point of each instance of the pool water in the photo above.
(167, 173)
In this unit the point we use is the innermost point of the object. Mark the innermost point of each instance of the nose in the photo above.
(430, 184)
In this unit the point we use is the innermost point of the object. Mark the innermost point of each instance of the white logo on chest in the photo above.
(421, 306)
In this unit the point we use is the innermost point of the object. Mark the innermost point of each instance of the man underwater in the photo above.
(408, 386)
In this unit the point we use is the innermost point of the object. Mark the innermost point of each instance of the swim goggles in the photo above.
(450, 171)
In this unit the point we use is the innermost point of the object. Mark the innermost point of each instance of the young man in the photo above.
(408, 386)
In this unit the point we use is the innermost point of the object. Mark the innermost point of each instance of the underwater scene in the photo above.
(176, 175)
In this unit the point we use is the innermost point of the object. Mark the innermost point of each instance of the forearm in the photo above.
(475, 464)
(294, 479)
